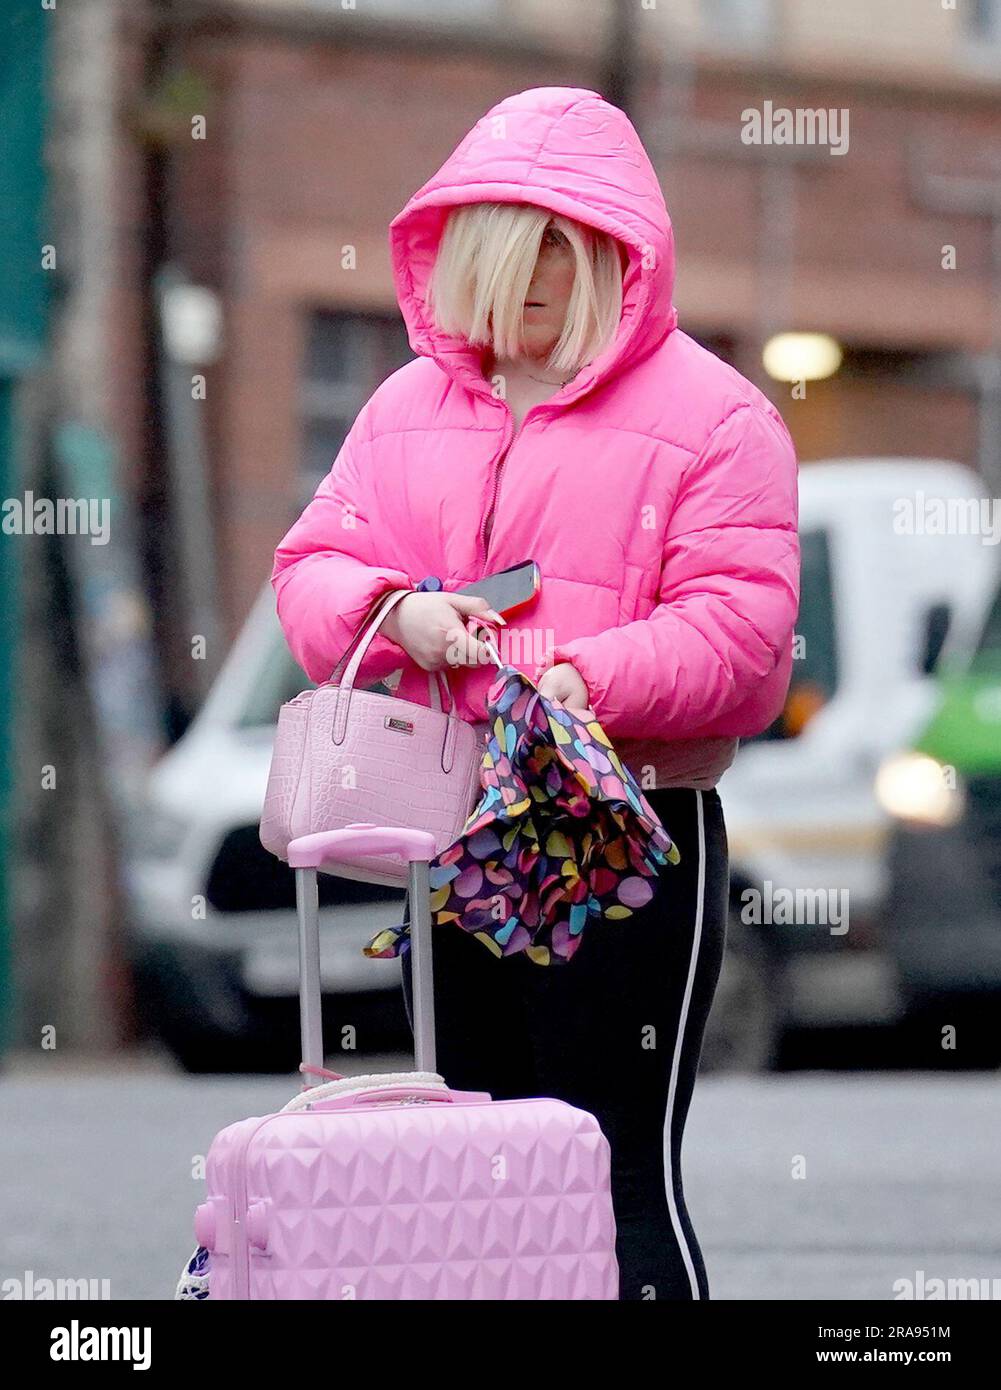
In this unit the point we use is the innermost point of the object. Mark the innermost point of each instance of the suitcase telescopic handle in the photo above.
(306, 855)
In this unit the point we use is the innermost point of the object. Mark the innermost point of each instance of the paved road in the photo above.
(902, 1173)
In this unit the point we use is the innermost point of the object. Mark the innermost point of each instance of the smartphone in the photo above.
(509, 589)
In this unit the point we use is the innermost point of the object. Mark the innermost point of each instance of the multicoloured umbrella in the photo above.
(563, 837)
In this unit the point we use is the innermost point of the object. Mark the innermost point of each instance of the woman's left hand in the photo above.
(564, 682)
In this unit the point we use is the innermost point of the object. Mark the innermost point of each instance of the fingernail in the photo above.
(496, 617)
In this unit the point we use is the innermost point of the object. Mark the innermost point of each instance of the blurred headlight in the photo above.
(915, 787)
(156, 834)
(804, 700)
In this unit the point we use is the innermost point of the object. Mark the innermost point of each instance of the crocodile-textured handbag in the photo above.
(345, 757)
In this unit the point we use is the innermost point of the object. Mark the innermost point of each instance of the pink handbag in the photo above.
(351, 757)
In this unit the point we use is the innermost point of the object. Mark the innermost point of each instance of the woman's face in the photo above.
(549, 293)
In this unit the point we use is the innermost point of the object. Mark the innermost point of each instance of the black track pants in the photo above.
(617, 1031)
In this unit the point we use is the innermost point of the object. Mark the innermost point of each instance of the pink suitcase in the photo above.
(398, 1187)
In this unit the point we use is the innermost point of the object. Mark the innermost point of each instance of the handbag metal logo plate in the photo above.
(402, 726)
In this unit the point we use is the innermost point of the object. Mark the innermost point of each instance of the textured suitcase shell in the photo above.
(408, 1198)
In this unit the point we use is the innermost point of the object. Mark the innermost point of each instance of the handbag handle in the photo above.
(342, 705)
(438, 685)
(375, 615)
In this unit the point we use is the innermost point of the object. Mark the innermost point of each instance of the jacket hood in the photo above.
(570, 151)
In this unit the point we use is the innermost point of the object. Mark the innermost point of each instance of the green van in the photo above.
(942, 914)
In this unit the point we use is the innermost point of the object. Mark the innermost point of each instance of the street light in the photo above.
(801, 356)
(192, 323)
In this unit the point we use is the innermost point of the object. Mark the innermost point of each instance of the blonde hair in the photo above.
(483, 269)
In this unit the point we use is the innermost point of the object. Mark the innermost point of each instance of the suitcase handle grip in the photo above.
(418, 1095)
(310, 851)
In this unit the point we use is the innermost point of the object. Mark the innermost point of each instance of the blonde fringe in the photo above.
(485, 263)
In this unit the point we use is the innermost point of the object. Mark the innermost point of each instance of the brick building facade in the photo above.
(319, 125)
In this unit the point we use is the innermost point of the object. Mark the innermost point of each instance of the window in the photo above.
(347, 356)
(815, 667)
(979, 34)
(987, 657)
(279, 679)
(737, 22)
(722, 345)
(983, 18)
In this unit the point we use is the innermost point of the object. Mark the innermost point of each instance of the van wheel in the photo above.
(952, 1033)
(192, 1001)
(744, 1027)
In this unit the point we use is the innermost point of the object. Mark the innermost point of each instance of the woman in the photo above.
(556, 412)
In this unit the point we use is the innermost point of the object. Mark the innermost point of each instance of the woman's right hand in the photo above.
(431, 628)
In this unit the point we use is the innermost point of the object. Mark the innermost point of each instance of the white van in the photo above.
(892, 566)
(216, 935)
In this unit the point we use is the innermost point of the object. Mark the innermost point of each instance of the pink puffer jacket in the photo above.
(657, 491)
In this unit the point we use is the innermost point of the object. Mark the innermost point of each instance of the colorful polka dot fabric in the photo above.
(561, 840)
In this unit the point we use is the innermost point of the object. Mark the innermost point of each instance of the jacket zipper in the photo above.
(486, 529)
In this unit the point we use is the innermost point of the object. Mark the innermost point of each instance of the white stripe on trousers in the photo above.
(676, 1063)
